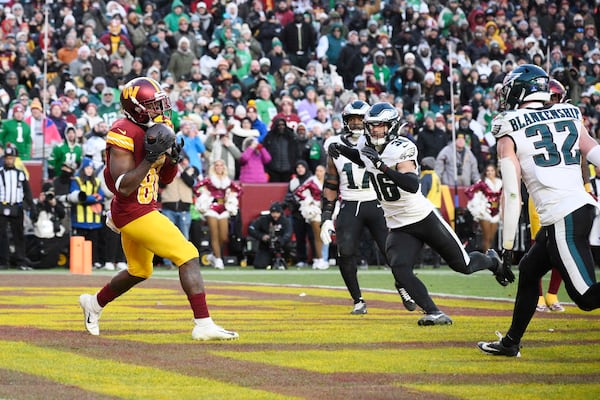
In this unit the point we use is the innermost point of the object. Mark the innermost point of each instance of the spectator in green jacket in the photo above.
(17, 132)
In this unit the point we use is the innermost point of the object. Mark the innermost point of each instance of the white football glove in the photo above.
(326, 229)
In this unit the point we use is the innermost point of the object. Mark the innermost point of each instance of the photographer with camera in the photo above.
(50, 237)
(273, 232)
(49, 212)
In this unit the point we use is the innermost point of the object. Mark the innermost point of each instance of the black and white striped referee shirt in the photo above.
(12, 182)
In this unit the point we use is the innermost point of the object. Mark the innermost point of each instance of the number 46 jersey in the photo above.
(400, 207)
(547, 146)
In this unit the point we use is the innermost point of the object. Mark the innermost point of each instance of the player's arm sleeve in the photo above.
(511, 201)
(408, 181)
(351, 154)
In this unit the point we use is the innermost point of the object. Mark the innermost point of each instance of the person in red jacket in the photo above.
(141, 151)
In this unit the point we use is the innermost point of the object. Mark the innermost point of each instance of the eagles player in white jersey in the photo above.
(542, 145)
(391, 162)
(358, 207)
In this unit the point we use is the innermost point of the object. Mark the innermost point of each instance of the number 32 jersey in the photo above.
(547, 146)
(400, 207)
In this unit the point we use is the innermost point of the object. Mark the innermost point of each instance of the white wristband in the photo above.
(118, 181)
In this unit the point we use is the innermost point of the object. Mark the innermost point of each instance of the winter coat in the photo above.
(467, 171)
(252, 164)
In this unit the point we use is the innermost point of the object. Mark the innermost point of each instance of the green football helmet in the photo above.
(527, 82)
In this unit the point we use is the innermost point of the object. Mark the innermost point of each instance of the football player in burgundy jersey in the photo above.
(141, 151)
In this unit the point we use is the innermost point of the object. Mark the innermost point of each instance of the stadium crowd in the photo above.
(257, 86)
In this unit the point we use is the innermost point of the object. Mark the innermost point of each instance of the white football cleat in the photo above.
(109, 266)
(90, 315)
(211, 259)
(206, 329)
(219, 263)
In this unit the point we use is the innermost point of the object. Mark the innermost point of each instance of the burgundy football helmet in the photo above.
(142, 100)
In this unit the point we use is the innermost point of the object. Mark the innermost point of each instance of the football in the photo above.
(161, 133)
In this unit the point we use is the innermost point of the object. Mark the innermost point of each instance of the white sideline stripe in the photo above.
(376, 290)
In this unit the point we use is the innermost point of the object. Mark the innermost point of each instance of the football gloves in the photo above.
(159, 138)
(334, 150)
(326, 229)
(176, 151)
(373, 156)
(507, 274)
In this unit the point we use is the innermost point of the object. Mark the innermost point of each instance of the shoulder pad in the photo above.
(501, 124)
(399, 150)
(330, 140)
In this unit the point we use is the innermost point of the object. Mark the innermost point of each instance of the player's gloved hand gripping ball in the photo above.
(159, 138)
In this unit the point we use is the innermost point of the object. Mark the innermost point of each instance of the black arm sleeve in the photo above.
(405, 181)
(351, 154)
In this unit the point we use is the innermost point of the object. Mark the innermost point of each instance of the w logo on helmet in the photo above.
(130, 91)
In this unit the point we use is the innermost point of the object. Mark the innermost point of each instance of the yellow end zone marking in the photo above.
(98, 375)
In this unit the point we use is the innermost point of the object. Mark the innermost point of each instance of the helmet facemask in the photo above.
(156, 109)
(381, 114)
(357, 108)
(144, 102)
(354, 125)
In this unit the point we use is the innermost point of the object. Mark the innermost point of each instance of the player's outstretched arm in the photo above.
(511, 193)
(335, 149)
(589, 147)
(402, 174)
(408, 181)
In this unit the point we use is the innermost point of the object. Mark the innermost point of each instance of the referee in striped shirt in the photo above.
(15, 192)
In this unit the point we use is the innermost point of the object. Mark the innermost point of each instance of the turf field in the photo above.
(297, 340)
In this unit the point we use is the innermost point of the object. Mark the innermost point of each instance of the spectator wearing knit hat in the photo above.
(115, 35)
(178, 11)
(67, 151)
(348, 65)
(136, 32)
(42, 138)
(17, 132)
(182, 59)
(257, 124)
(83, 55)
